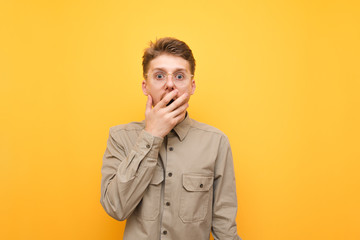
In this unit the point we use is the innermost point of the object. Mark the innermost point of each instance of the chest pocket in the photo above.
(196, 197)
(149, 206)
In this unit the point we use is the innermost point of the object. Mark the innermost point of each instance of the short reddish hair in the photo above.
(171, 46)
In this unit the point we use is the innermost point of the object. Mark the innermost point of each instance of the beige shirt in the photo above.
(177, 187)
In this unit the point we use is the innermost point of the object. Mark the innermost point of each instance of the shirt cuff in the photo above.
(150, 144)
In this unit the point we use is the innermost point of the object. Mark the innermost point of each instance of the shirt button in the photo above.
(167, 203)
(201, 185)
(170, 174)
(171, 148)
(147, 146)
(164, 232)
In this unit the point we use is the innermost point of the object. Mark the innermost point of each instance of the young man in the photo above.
(170, 176)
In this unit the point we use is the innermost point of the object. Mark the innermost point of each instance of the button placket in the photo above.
(169, 185)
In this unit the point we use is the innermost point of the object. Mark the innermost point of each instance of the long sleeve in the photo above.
(225, 200)
(127, 171)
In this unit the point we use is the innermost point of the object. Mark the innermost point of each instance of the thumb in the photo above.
(148, 104)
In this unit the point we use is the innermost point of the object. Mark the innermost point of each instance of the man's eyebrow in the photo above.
(163, 69)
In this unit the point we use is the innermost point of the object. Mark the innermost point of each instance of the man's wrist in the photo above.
(153, 133)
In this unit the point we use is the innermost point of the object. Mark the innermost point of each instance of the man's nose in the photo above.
(169, 81)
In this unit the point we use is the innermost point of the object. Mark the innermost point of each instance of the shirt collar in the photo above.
(182, 128)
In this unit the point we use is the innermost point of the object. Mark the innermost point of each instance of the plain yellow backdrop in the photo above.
(280, 78)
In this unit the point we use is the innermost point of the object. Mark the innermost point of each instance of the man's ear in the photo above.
(193, 86)
(143, 85)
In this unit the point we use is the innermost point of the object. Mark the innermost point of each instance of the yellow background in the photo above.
(280, 78)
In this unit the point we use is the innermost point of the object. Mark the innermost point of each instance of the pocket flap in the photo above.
(158, 176)
(197, 183)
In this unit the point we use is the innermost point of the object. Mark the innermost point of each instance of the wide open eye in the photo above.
(159, 76)
(179, 76)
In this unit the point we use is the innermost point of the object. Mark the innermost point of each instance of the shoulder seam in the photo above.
(216, 132)
(128, 130)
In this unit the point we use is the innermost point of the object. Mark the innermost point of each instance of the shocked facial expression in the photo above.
(166, 73)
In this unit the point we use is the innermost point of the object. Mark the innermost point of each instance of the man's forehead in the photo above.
(169, 62)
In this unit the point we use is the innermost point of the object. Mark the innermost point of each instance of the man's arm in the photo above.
(125, 178)
(225, 201)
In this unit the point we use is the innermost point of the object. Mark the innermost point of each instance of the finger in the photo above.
(178, 102)
(167, 98)
(148, 104)
(180, 117)
(178, 111)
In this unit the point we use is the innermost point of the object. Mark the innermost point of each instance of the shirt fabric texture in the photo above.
(178, 187)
